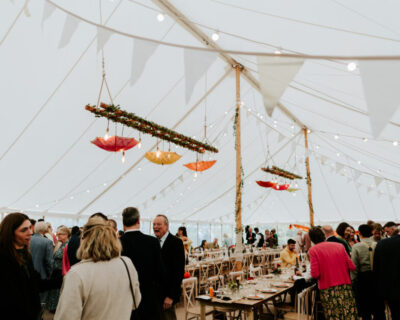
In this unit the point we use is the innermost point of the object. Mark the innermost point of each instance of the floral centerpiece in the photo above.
(234, 285)
(276, 269)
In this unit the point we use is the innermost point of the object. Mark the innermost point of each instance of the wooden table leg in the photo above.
(250, 314)
(202, 311)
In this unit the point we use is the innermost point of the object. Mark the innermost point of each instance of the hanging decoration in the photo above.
(281, 173)
(292, 189)
(200, 166)
(115, 114)
(162, 157)
(115, 143)
(267, 184)
(282, 187)
(300, 227)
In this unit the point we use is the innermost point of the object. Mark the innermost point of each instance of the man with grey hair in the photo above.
(330, 237)
(42, 253)
(173, 257)
(145, 253)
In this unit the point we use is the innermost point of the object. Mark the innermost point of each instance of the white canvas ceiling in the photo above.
(48, 165)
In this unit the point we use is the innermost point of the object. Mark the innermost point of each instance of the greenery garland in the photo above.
(115, 114)
(282, 173)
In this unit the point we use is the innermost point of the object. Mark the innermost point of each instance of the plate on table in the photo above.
(269, 290)
(281, 285)
(256, 297)
(251, 281)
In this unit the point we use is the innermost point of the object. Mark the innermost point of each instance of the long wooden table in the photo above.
(244, 304)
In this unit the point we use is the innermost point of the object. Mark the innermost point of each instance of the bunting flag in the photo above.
(380, 80)
(378, 180)
(281, 137)
(356, 174)
(154, 198)
(339, 167)
(323, 160)
(181, 178)
(103, 35)
(142, 51)
(70, 26)
(196, 63)
(275, 74)
(26, 9)
(48, 10)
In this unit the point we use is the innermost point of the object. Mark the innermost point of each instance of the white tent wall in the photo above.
(52, 167)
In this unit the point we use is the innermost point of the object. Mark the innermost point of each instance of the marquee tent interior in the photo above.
(52, 67)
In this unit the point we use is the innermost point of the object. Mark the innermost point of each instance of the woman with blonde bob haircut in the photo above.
(91, 286)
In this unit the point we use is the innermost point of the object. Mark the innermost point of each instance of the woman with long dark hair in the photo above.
(20, 283)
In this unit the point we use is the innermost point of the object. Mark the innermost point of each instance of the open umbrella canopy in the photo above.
(115, 143)
(51, 66)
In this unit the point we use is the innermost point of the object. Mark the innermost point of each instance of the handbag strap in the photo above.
(130, 282)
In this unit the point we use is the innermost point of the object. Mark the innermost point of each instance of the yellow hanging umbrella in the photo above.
(162, 157)
(292, 189)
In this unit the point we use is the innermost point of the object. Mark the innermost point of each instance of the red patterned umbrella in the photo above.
(200, 165)
(115, 143)
(266, 184)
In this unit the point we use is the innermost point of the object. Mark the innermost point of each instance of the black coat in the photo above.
(387, 268)
(73, 246)
(337, 240)
(19, 293)
(145, 253)
(173, 257)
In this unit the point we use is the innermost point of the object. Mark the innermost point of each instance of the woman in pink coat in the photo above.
(331, 266)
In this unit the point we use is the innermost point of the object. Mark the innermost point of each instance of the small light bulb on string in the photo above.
(365, 139)
(294, 194)
(352, 66)
(123, 157)
(215, 36)
(158, 153)
(395, 143)
(71, 197)
(160, 17)
(37, 206)
(106, 136)
(359, 162)
(277, 51)
(336, 137)
(140, 142)
(195, 174)
(317, 147)
(105, 183)
(296, 185)
(338, 154)
(308, 131)
(88, 191)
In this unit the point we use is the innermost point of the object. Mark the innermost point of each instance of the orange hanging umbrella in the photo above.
(115, 143)
(162, 157)
(300, 227)
(200, 165)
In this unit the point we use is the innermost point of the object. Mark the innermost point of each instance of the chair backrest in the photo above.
(189, 292)
(216, 282)
(204, 271)
(256, 272)
(306, 303)
(218, 266)
(235, 274)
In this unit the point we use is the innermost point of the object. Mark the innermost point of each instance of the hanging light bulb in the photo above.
(338, 154)
(352, 66)
(158, 153)
(160, 17)
(37, 206)
(278, 51)
(106, 136)
(296, 185)
(215, 36)
(123, 157)
(140, 143)
(336, 137)
(365, 139)
(71, 197)
(395, 143)
(195, 174)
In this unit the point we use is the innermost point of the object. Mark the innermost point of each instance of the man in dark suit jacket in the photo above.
(145, 253)
(387, 271)
(330, 237)
(173, 257)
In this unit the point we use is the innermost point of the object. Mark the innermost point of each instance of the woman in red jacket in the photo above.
(331, 265)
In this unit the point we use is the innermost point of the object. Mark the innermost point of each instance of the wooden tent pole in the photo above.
(238, 202)
(310, 204)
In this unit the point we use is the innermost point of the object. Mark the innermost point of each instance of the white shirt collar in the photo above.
(163, 238)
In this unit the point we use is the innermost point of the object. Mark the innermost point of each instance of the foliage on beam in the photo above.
(281, 173)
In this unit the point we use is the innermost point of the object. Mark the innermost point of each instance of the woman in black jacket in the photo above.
(20, 283)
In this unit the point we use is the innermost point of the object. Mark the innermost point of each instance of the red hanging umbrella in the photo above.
(200, 165)
(282, 187)
(115, 143)
(266, 184)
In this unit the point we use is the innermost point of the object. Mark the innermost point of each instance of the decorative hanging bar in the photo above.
(115, 114)
(281, 173)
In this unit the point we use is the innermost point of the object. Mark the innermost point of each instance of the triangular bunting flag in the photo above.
(154, 198)
(26, 9)
(142, 51)
(281, 137)
(181, 178)
(70, 26)
(378, 180)
(275, 74)
(103, 35)
(380, 79)
(397, 185)
(48, 10)
(323, 160)
(196, 63)
(339, 167)
(356, 174)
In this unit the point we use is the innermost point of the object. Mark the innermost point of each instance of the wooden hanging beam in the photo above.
(281, 173)
(115, 114)
(310, 204)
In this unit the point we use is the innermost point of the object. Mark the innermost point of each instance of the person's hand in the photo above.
(167, 303)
